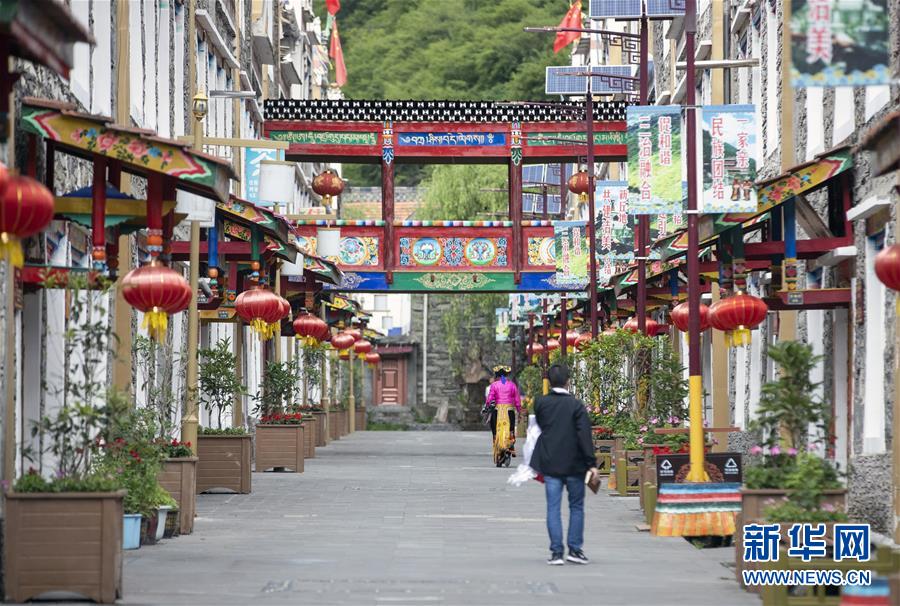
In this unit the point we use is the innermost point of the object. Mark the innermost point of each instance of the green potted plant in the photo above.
(280, 443)
(156, 365)
(223, 452)
(313, 356)
(78, 504)
(782, 462)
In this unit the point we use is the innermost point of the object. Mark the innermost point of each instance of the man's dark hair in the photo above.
(558, 375)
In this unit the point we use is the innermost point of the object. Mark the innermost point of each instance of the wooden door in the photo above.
(390, 384)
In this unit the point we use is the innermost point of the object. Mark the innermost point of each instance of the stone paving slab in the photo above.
(382, 518)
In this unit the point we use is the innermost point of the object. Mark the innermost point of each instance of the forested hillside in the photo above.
(446, 49)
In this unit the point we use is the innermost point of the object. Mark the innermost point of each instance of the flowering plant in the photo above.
(177, 450)
(289, 418)
(806, 476)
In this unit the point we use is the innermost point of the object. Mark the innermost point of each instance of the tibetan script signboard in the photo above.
(454, 139)
(729, 158)
(572, 254)
(654, 160)
(839, 43)
(313, 137)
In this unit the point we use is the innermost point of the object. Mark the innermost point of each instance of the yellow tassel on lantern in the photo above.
(155, 323)
(11, 250)
(741, 336)
(261, 327)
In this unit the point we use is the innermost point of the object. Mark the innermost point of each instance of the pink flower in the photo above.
(137, 147)
(106, 140)
(654, 420)
(756, 450)
(76, 134)
(644, 428)
(792, 451)
(774, 451)
(640, 441)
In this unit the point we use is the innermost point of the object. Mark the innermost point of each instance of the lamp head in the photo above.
(200, 105)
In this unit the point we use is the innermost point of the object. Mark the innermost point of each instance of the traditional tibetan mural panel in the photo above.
(729, 158)
(355, 251)
(839, 43)
(572, 253)
(655, 176)
(444, 253)
(541, 251)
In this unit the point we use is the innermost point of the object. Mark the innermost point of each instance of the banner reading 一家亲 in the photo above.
(572, 255)
(729, 159)
(839, 43)
(654, 160)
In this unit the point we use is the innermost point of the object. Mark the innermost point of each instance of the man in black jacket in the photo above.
(564, 453)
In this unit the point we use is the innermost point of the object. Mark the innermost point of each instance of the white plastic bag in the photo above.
(524, 472)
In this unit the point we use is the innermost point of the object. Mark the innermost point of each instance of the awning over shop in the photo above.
(140, 152)
(122, 210)
(44, 32)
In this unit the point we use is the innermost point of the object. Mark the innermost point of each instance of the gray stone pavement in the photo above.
(385, 518)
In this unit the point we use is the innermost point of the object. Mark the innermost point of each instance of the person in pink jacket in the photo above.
(503, 395)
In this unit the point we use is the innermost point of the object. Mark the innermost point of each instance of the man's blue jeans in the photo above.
(554, 488)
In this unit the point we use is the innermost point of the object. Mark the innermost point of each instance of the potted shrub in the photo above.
(782, 463)
(223, 453)
(280, 439)
(178, 476)
(178, 472)
(78, 505)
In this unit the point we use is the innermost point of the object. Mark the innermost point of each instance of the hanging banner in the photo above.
(520, 305)
(501, 326)
(614, 226)
(839, 43)
(654, 160)
(571, 253)
(252, 158)
(729, 158)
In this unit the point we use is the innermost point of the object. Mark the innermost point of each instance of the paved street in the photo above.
(414, 518)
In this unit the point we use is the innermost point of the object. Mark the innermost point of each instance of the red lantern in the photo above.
(342, 342)
(680, 315)
(328, 184)
(583, 341)
(570, 339)
(373, 359)
(887, 266)
(651, 326)
(362, 347)
(355, 333)
(534, 350)
(158, 291)
(552, 344)
(580, 184)
(261, 308)
(312, 329)
(26, 207)
(738, 315)
(344, 354)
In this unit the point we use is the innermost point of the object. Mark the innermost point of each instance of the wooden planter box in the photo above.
(753, 505)
(309, 439)
(603, 450)
(322, 437)
(334, 421)
(628, 478)
(280, 446)
(224, 463)
(344, 417)
(179, 477)
(361, 418)
(63, 542)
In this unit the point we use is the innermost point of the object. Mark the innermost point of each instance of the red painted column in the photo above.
(387, 215)
(643, 223)
(515, 215)
(98, 214)
(563, 190)
(154, 214)
(564, 327)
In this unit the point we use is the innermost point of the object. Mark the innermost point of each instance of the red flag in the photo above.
(333, 6)
(337, 53)
(572, 19)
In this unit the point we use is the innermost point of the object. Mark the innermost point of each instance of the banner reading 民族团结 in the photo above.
(655, 172)
(840, 43)
(572, 253)
(729, 158)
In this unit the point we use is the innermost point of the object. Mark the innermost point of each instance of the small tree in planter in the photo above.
(224, 453)
(157, 365)
(219, 382)
(280, 439)
(67, 502)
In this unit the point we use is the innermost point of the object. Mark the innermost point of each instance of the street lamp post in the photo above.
(191, 421)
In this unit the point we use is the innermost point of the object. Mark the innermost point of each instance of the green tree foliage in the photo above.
(452, 49)
(465, 192)
(219, 381)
